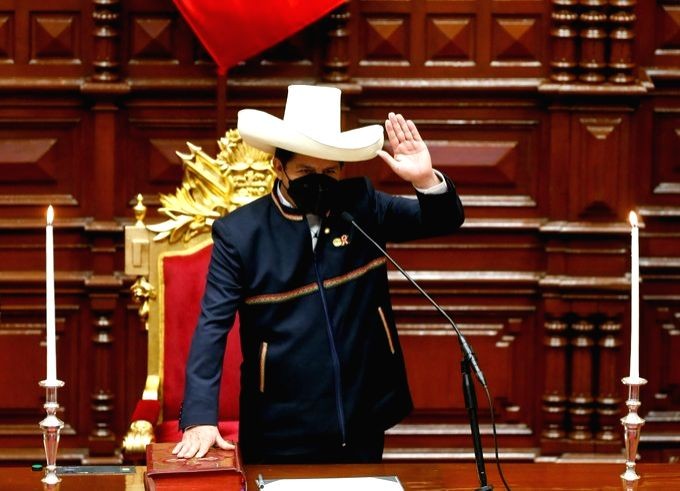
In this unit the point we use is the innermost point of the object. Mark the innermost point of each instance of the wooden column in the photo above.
(336, 63)
(106, 16)
(593, 37)
(554, 399)
(622, 36)
(102, 399)
(103, 90)
(609, 403)
(563, 35)
(581, 392)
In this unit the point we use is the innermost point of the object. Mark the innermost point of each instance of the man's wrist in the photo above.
(428, 182)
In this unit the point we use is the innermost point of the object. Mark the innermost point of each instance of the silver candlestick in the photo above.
(632, 424)
(51, 427)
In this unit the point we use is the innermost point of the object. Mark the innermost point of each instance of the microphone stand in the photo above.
(467, 365)
(471, 406)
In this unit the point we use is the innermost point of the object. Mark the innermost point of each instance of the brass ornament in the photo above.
(213, 187)
(142, 292)
(139, 435)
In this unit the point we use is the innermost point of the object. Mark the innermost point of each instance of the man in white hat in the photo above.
(323, 373)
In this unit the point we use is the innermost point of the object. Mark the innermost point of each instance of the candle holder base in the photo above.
(51, 427)
(51, 480)
(632, 424)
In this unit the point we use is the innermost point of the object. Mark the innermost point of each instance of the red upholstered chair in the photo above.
(170, 260)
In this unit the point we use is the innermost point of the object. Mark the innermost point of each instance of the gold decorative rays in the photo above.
(212, 187)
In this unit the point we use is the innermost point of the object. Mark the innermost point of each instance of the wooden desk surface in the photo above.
(418, 476)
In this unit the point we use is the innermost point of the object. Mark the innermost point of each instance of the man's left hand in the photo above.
(411, 160)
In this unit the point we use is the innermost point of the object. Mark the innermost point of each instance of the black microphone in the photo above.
(468, 353)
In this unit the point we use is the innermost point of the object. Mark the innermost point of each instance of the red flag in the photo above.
(234, 30)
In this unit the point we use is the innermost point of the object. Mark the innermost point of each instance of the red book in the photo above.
(218, 469)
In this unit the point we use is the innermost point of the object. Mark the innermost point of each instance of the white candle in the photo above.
(49, 300)
(634, 298)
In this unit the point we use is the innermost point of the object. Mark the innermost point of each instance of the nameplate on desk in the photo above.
(101, 470)
(381, 483)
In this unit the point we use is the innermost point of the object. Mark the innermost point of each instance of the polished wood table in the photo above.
(414, 476)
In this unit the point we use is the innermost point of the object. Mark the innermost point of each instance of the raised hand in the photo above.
(411, 160)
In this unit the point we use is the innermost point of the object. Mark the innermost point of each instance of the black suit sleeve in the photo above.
(402, 219)
(220, 302)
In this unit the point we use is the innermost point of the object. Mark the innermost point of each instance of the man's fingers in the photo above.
(391, 135)
(189, 449)
(404, 128)
(397, 128)
(414, 130)
(223, 444)
(391, 161)
(387, 158)
(177, 448)
(204, 447)
(192, 450)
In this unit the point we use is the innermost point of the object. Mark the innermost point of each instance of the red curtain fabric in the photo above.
(234, 30)
(184, 283)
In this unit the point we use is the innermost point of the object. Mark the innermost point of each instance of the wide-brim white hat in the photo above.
(310, 126)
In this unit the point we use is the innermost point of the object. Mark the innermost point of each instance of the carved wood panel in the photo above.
(22, 342)
(434, 37)
(40, 156)
(667, 33)
(43, 38)
(600, 159)
(665, 168)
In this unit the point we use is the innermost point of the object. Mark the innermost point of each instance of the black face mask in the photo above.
(313, 193)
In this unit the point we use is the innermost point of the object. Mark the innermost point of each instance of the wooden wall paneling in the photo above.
(512, 254)
(585, 299)
(40, 154)
(660, 269)
(23, 325)
(596, 167)
(435, 39)
(154, 131)
(666, 40)
(665, 173)
(42, 41)
(501, 334)
(518, 33)
(600, 161)
(158, 44)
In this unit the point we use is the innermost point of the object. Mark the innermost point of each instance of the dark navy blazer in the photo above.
(321, 358)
